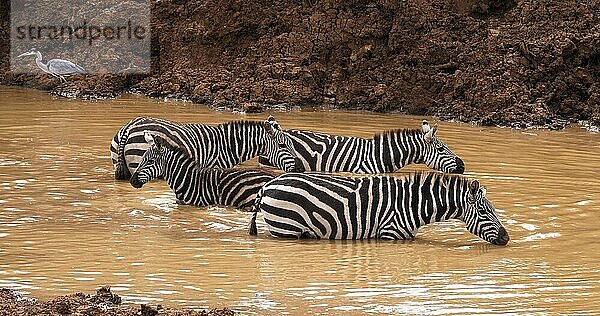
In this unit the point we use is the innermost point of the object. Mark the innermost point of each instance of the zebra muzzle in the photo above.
(135, 181)
(460, 166)
(503, 237)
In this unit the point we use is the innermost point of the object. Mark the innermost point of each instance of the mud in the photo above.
(103, 303)
(494, 62)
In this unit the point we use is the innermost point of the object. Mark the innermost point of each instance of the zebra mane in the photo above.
(163, 143)
(400, 132)
(243, 123)
(424, 176)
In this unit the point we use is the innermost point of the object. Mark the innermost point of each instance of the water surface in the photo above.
(66, 225)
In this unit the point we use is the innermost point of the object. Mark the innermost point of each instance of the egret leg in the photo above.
(55, 76)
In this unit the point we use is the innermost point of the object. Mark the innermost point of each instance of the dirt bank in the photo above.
(103, 303)
(494, 62)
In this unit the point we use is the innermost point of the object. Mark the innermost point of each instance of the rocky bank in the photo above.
(513, 63)
(103, 303)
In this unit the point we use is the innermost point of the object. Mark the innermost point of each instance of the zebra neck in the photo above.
(433, 198)
(244, 141)
(191, 184)
(396, 149)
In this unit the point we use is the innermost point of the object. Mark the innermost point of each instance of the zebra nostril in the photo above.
(503, 233)
(503, 237)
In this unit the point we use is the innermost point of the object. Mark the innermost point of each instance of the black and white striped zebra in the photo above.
(222, 146)
(194, 185)
(326, 206)
(383, 153)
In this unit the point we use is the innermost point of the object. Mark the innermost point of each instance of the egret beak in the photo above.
(25, 54)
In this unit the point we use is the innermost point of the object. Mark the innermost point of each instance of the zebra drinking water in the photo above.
(384, 153)
(195, 185)
(222, 146)
(327, 206)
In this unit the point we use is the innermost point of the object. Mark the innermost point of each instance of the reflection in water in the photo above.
(67, 226)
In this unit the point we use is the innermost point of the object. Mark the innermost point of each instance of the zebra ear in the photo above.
(473, 187)
(430, 134)
(149, 138)
(271, 120)
(269, 128)
(426, 127)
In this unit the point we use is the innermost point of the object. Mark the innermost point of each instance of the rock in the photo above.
(146, 310)
(104, 295)
(252, 108)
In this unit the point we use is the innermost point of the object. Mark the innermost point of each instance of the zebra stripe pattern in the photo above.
(222, 146)
(327, 206)
(384, 153)
(194, 185)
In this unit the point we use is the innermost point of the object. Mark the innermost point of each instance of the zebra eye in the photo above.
(282, 146)
(440, 149)
(151, 161)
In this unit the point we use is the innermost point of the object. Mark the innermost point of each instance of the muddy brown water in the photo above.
(66, 225)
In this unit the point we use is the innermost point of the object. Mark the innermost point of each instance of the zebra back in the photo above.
(222, 146)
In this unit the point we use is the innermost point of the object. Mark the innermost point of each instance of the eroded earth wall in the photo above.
(494, 62)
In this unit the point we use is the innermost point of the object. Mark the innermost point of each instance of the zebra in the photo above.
(311, 205)
(383, 153)
(222, 146)
(195, 185)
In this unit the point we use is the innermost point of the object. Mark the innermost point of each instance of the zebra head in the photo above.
(437, 155)
(480, 216)
(153, 162)
(279, 148)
